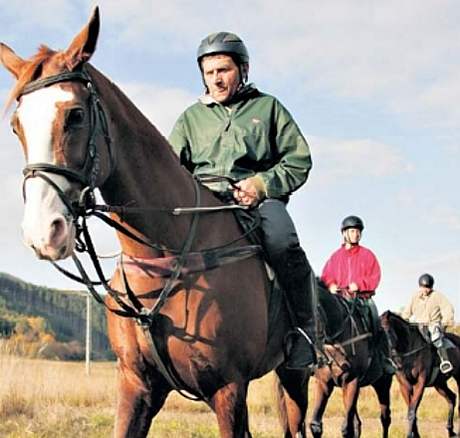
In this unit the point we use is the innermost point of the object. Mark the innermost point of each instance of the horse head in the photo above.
(397, 332)
(63, 138)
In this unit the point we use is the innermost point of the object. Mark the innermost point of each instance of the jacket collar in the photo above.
(241, 94)
(353, 249)
(423, 296)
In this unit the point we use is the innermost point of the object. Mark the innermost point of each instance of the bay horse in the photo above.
(417, 367)
(172, 325)
(352, 361)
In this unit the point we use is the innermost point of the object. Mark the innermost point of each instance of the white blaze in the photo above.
(43, 207)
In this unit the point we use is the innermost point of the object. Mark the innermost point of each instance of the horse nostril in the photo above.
(57, 230)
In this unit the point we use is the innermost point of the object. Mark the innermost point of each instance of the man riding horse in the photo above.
(431, 309)
(241, 134)
(354, 271)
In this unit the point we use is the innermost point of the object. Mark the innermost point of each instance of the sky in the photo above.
(374, 87)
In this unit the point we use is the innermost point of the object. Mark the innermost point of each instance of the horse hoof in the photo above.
(316, 430)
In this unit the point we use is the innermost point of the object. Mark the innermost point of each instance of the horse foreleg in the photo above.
(382, 388)
(229, 404)
(450, 397)
(357, 424)
(407, 390)
(350, 393)
(416, 398)
(138, 402)
(293, 401)
(324, 386)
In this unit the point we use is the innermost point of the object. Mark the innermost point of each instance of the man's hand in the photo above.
(250, 191)
(333, 288)
(353, 287)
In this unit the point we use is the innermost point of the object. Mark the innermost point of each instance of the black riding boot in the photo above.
(298, 282)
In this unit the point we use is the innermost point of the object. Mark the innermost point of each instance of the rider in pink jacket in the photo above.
(353, 270)
(352, 267)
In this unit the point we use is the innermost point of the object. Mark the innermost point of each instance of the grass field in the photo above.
(55, 399)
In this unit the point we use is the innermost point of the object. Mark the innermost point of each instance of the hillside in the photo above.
(57, 313)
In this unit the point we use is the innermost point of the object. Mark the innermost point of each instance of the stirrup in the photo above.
(301, 354)
(445, 367)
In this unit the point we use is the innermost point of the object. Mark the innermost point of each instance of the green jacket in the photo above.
(253, 135)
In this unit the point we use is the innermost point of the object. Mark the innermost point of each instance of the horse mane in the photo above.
(30, 73)
(409, 328)
(396, 316)
(403, 322)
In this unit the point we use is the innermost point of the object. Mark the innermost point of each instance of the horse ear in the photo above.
(11, 61)
(84, 44)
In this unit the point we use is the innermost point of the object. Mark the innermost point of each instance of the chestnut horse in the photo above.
(209, 334)
(352, 362)
(417, 367)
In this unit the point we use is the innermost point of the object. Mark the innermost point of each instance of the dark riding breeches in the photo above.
(287, 258)
(278, 230)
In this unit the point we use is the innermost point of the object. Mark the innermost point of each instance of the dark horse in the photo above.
(352, 362)
(172, 325)
(417, 367)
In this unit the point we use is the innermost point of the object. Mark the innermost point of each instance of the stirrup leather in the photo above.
(305, 335)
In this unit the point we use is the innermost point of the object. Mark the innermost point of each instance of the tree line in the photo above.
(45, 322)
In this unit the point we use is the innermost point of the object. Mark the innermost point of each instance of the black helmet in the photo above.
(426, 280)
(352, 222)
(223, 42)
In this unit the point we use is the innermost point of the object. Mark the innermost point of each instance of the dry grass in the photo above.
(55, 399)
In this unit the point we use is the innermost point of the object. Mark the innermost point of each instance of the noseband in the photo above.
(87, 176)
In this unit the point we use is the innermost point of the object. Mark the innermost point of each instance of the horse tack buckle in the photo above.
(145, 318)
(87, 200)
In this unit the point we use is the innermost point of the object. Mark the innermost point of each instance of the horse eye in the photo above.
(75, 117)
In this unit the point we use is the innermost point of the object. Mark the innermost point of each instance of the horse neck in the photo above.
(408, 334)
(146, 173)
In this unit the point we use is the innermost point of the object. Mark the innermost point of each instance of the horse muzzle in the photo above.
(52, 239)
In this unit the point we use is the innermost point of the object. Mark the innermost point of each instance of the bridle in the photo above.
(87, 176)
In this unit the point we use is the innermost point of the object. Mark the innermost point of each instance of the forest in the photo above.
(36, 321)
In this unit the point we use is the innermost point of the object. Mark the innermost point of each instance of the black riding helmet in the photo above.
(426, 280)
(352, 222)
(227, 43)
